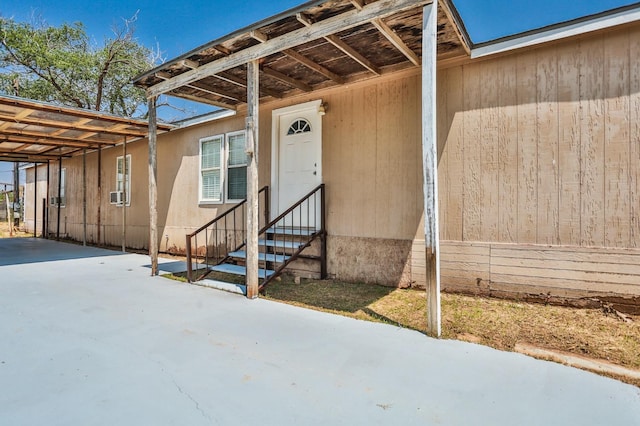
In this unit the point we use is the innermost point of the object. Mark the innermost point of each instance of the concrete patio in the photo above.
(88, 337)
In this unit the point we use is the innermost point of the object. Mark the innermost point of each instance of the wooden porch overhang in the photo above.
(33, 131)
(317, 45)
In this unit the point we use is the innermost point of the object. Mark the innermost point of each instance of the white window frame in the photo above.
(227, 166)
(202, 200)
(224, 168)
(127, 190)
(63, 184)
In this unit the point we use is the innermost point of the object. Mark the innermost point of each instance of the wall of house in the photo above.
(541, 149)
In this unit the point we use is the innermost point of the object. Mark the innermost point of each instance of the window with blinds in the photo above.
(211, 150)
(236, 167)
(223, 168)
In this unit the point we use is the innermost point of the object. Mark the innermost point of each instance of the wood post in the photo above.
(124, 195)
(47, 198)
(153, 187)
(58, 197)
(253, 104)
(84, 197)
(430, 166)
(35, 199)
(99, 201)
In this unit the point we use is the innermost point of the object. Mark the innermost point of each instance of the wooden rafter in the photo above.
(344, 47)
(262, 38)
(313, 65)
(203, 100)
(43, 139)
(358, 4)
(396, 41)
(321, 29)
(78, 125)
(286, 79)
(19, 116)
(75, 112)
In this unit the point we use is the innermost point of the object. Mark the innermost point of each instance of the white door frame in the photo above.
(312, 106)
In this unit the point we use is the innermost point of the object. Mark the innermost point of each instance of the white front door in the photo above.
(297, 159)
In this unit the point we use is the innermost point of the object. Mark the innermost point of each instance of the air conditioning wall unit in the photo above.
(116, 197)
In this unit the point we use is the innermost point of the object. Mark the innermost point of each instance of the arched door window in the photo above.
(299, 126)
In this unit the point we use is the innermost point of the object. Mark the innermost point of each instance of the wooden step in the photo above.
(280, 244)
(228, 268)
(263, 257)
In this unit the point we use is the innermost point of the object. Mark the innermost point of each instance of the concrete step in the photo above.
(278, 230)
(263, 257)
(228, 268)
(280, 244)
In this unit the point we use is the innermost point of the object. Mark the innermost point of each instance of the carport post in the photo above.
(253, 97)
(430, 166)
(58, 198)
(84, 197)
(124, 195)
(153, 188)
(46, 219)
(35, 199)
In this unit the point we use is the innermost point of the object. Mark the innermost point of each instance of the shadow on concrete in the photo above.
(18, 251)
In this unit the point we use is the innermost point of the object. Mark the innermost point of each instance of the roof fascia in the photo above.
(587, 24)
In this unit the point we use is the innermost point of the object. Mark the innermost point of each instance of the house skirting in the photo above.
(571, 275)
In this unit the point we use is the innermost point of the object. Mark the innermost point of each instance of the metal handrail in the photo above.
(214, 222)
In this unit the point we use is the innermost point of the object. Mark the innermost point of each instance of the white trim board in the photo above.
(570, 30)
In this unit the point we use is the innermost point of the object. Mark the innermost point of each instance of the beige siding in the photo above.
(549, 144)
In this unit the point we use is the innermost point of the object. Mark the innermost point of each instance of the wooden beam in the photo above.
(79, 125)
(358, 4)
(153, 188)
(20, 115)
(203, 100)
(18, 137)
(313, 65)
(190, 64)
(344, 47)
(430, 166)
(455, 22)
(286, 79)
(253, 108)
(324, 28)
(75, 112)
(354, 54)
(259, 35)
(239, 82)
(198, 85)
(396, 41)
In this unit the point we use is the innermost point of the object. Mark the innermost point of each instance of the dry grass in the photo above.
(493, 322)
(17, 233)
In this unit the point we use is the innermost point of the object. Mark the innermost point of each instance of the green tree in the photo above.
(62, 65)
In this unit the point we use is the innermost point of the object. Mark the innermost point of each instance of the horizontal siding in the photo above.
(526, 269)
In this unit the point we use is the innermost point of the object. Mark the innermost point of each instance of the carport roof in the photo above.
(34, 131)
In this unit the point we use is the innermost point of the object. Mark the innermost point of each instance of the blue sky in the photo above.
(179, 26)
